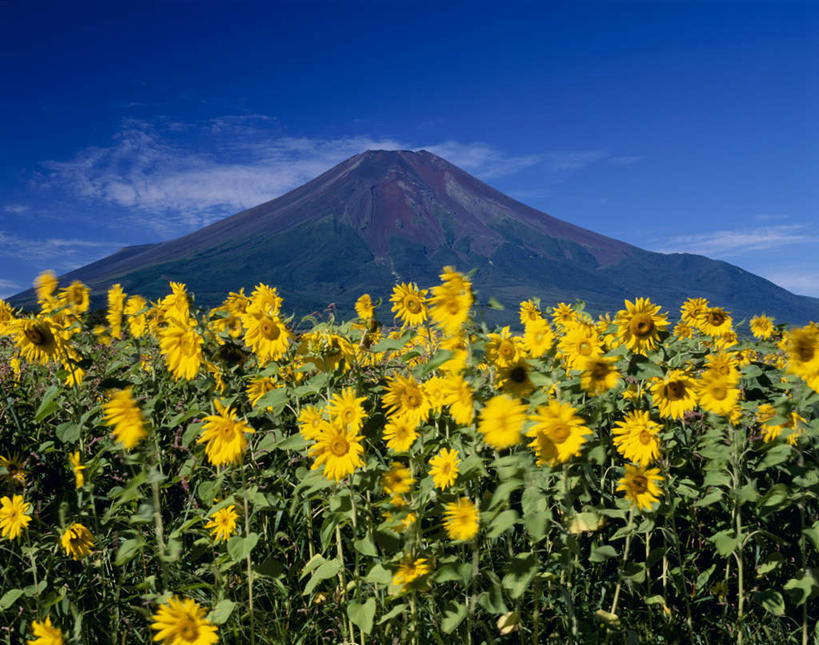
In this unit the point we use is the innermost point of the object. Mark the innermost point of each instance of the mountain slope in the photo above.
(386, 216)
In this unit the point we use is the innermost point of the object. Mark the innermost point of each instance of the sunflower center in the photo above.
(77, 297)
(39, 334)
(412, 304)
(584, 348)
(599, 370)
(227, 432)
(716, 318)
(339, 446)
(805, 352)
(645, 437)
(518, 374)
(560, 433)
(507, 349)
(640, 484)
(269, 329)
(188, 345)
(641, 325)
(413, 399)
(188, 629)
(719, 393)
(452, 306)
(347, 415)
(675, 390)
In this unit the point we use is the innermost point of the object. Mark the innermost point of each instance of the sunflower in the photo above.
(13, 516)
(6, 317)
(717, 394)
(176, 305)
(224, 435)
(683, 330)
(640, 486)
(514, 379)
(461, 519)
(398, 480)
(409, 571)
(266, 335)
(435, 391)
(236, 302)
(762, 327)
(222, 523)
(715, 321)
(134, 309)
(725, 364)
(691, 310)
(364, 307)
(444, 468)
(557, 434)
(77, 541)
(409, 303)
(265, 300)
(181, 621)
(339, 450)
(451, 301)
(766, 412)
(675, 394)
(38, 339)
(538, 338)
(260, 386)
(346, 410)
(45, 633)
(182, 347)
(529, 313)
(116, 302)
(802, 348)
(15, 470)
(75, 297)
(400, 433)
(579, 343)
(501, 422)
(639, 325)
(77, 467)
(310, 422)
(636, 438)
(503, 349)
(121, 412)
(459, 398)
(405, 398)
(598, 374)
(563, 314)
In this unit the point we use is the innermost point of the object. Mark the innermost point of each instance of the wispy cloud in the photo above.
(15, 209)
(8, 288)
(732, 243)
(795, 280)
(60, 254)
(175, 177)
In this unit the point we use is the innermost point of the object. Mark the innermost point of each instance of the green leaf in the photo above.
(802, 588)
(10, 597)
(536, 524)
(127, 550)
(454, 614)
(776, 455)
(776, 496)
(221, 612)
(392, 613)
(240, 547)
(275, 399)
(813, 533)
(494, 304)
(378, 575)
(502, 523)
(602, 553)
(326, 570)
(293, 442)
(725, 541)
(521, 571)
(439, 358)
(711, 498)
(191, 432)
(771, 562)
(772, 601)
(366, 547)
(67, 432)
(362, 614)
(48, 404)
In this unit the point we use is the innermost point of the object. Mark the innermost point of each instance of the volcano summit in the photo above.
(387, 216)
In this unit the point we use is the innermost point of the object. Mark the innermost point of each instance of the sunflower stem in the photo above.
(343, 582)
(629, 533)
(249, 567)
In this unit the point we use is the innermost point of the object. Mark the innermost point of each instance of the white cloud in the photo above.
(175, 177)
(8, 288)
(60, 254)
(803, 282)
(732, 243)
(16, 209)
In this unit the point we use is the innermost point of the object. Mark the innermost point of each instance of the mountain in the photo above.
(387, 216)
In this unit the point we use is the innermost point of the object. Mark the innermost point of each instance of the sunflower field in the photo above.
(187, 477)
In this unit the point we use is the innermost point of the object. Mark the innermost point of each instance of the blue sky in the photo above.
(674, 126)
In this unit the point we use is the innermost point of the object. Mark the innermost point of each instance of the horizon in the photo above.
(673, 127)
